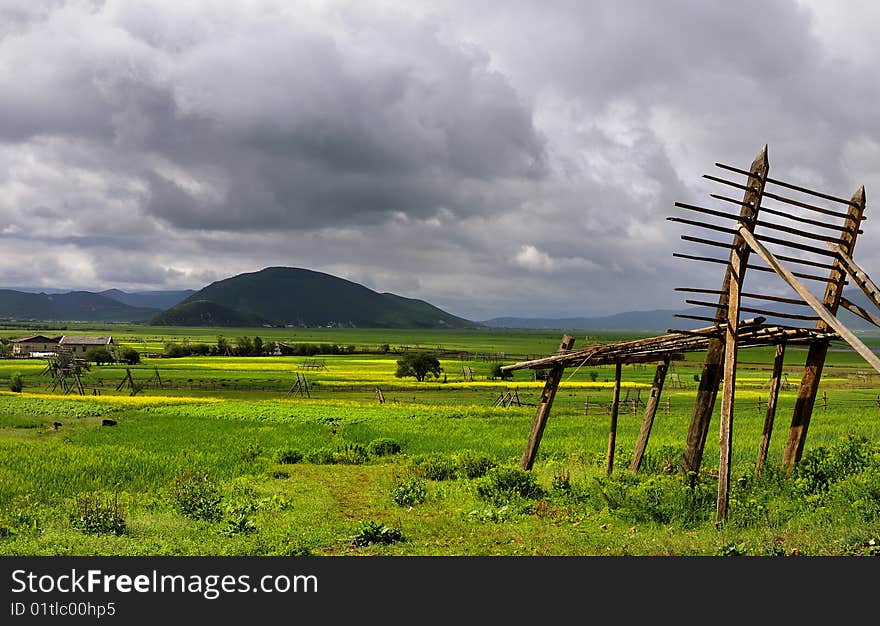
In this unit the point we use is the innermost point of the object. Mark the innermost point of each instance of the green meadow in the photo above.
(223, 455)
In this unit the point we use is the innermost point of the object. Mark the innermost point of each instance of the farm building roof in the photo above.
(36, 339)
(86, 341)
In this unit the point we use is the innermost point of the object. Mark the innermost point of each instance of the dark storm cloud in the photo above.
(492, 158)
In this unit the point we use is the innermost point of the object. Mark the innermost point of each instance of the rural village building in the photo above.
(36, 345)
(79, 345)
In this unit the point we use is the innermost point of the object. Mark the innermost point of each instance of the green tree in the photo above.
(244, 346)
(222, 345)
(99, 355)
(418, 364)
(129, 356)
(259, 347)
(497, 372)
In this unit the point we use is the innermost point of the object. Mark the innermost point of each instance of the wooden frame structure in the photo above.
(768, 207)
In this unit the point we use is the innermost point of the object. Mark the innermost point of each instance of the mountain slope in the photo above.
(71, 306)
(149, 299)
(299, 297)
(204, 313)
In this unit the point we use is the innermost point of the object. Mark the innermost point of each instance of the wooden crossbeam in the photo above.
(858, 275)
(845, 333)
(860, 311)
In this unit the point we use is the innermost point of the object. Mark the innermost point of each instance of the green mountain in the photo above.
(205, 313)
(72, 306)
(288, 296)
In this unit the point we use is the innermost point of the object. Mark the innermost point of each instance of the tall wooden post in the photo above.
(650, 412)
(737, 269)
(803, 408)
(770, 416)
(612, 434)
(710, 379)
(554, 376)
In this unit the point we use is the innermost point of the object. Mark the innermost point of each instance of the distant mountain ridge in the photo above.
(289, 296)
(661, 320)
(149, 299)
(82, 306)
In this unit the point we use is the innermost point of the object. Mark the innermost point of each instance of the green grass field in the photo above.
(222, 459)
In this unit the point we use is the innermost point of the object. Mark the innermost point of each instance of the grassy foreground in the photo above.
(221, 460)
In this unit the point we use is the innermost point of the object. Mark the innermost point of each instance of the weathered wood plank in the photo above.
(770, 416)
(725, 436)
(861, 312)
(544, 404)
(612, 433)
(650, 413)
(815, 362)
(845, 333)
(860, 277)
(710, 378)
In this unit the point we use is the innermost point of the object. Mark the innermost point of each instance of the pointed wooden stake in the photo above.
(710, 378)
(650, 412)
(770, 416)
(615, 406)
(553, 379)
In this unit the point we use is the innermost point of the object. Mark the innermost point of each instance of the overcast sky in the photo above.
(494, 157)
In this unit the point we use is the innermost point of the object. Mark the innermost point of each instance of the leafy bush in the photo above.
(321, 456)
(351, 454)
(661, 498)
(98, 355)
(347, 454)
(501, 485)
(470, 464)
(434, 466)
(561, 482)
(409, 491)
(289, 457)
(820, 467)
(15, 383)
(250, 454)
(383, 446)
(373, 532)
(129, 356)
(197, 497)
(237, 520)
(96, 514)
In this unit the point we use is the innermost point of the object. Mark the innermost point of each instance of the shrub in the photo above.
(289, 457)
(659, 498)
(383, 447)
(197, 497)
(820, 467)
(129, 356)
(95, 514)
(250, 454)
(351, 454)
(321, 456)
(98, 355)
(15, 383)
(409, 491)
(470, 464)
(434, 466)
(238, 520)
(501, 485)
(374, 532)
